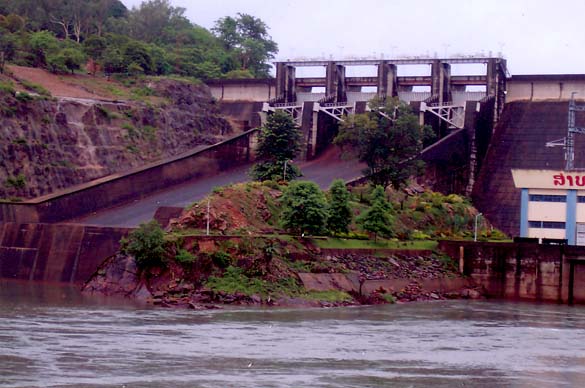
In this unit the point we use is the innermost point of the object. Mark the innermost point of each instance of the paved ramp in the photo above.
(323, 171)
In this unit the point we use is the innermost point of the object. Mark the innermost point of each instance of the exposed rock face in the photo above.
(51, 144)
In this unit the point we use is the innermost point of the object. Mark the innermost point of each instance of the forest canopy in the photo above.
(154, 38)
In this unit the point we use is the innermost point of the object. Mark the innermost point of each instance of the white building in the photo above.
(552, 204)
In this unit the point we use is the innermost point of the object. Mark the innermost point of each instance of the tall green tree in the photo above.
(7, 47)
(339, 210)
(279, 141)
(388, 139)
(248, 37)
(377, 219)
(151, 20)
(304, 208)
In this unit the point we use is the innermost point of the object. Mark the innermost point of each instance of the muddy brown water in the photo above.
(52, 336)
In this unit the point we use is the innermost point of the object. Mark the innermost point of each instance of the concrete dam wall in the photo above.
(64, 253)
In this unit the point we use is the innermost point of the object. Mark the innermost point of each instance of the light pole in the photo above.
(475, 229)
(207, 226)
(284, 169)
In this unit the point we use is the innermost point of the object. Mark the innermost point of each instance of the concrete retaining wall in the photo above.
(523, 270)
(120, 188)
(350, 282)
(64, 253)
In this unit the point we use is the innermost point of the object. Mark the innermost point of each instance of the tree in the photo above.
(7, 48)
(339, 209)
(376, 219)
(43, 44)
(388, 139)
(304, 208)
(278, 143)
(146, 244)
(379, 194)
(248, 37)
(149, 21)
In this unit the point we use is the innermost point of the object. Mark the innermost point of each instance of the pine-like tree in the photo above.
(278, 143)
(339, 210)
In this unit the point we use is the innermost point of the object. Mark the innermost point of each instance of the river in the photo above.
(52, 336)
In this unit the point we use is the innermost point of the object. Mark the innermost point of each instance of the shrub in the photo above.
(146, 244)
(221, 259)
(7, 88)
(23, 97)
(185, 257)
(16, 182)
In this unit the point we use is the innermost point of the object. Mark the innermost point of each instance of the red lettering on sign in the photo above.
(559, 180)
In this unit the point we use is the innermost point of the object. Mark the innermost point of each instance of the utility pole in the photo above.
(568, 143)
(207, 232)
(475, 229)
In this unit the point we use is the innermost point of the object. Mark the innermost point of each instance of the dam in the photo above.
(486, 125)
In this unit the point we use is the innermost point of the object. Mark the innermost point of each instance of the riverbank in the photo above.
(301, 278)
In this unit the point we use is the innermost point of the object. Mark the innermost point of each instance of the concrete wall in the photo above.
(259, 90)
(64, 253)
(522, 270)
(117, 189)
(545, 87)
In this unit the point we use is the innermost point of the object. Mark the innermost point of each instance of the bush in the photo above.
(185, 257)
(146, 244)
(17, 182)
(221, 259)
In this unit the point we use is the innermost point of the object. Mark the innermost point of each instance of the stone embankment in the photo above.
(363, 279)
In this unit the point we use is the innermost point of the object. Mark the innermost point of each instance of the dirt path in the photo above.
(56, 84)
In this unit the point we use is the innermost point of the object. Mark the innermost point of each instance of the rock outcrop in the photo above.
(47, 144)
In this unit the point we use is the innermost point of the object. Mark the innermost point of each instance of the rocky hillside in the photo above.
(50, 143)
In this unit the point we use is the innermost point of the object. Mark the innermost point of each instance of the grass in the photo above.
(328, 296)
(234, 280)
(339, 243)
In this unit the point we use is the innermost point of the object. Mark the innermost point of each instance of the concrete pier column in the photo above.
(496, 83)
(387, 80)
(441, 81)
(285, 82)
(335, 81)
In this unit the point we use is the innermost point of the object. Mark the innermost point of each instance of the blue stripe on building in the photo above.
(524, 213)
(571, 216)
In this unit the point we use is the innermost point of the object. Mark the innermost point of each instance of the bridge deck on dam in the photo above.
(519, 142)
(323, 171)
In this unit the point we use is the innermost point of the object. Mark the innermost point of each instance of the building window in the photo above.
(581, 199)
(548, 198)
(546, 224)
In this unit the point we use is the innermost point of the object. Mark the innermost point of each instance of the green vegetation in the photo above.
(35, 88)
(388, 139)
(7, 88)
(154, 38)
(339, 243)
(17, 182)
(278, 143)
(331, 296)
(304, 208)
(183, 256)
(234, 280)
(377, 219)
(146, 244)
(340, 214)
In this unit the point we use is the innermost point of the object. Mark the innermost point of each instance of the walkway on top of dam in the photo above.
(323, 171)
